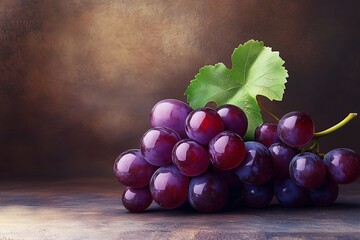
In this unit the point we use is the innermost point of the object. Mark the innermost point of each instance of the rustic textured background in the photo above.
(78, 78)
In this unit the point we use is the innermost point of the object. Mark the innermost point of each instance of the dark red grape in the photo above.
(131, 169)
(170, 113)
(258, 196)
(168, 187)
(234, 119)
(307, 170)
(208, 192)
(157, 144)
(343, 165)
(326, 194)
(289, 194)
(266, 133)
(226, 150)
(136, 199)
(296, 129)
(190, 157)
(257, 167)
(203, 124)
(282, 155)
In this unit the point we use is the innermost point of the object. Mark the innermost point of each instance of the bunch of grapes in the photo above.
(199, 158)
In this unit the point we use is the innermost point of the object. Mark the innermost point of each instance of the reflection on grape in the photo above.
(170, 113)
(208, 192)
(169, 187)
(234, 119)
(203, 124)
(266, 133)
(157, 144)
(226, 150)
(257, 167)
(131, 169)
(289, 194)
(343, 165)
(307, 170)
(136, 199)
(258, 196)
(296, 129)
(190, 157)
(282, 156)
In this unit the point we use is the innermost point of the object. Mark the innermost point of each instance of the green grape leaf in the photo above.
(256, 70)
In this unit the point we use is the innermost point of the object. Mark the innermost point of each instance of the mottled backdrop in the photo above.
(78, 78)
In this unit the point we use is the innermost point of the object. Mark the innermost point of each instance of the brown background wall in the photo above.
(78, 78)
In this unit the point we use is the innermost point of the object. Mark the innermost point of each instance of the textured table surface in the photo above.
(91, 209)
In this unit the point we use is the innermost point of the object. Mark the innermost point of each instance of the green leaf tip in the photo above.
(256, 70)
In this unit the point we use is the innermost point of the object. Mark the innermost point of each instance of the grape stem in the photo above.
(315, 146)
(267, 111)
(337, 126)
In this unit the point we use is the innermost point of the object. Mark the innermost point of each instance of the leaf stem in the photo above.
(337, 126)
(267, 111)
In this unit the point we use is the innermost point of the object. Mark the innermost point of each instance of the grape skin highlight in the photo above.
(203, 124)
(208, 192)
(296, 129)
(170, 113)
(343, 165)
(136, 199)
(169, 187)
(234, 119)
(226, 150)
(157, 144)
(257, 167)
(190, 157)
(131, 169)
(307, 170)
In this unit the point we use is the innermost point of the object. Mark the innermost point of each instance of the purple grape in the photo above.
(156, 145)
(296, 129)
(203, 124)
(281, 155)
(226, 150)
(257, 167)
(258, 196)
(131, 169)
(234, 184)
(170, 113)
(289, 194)
(208, 192)
(326, 194)
(169, 187)
(190, 157)
(307, 170)
(136, 199)
(343, 165)
(266, 133)
(231, 178)
(234, 119)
